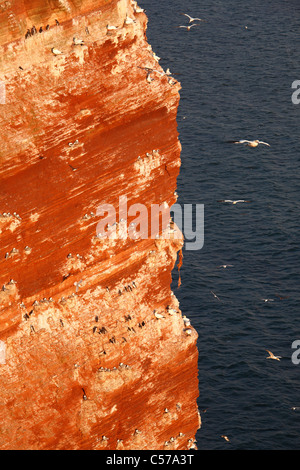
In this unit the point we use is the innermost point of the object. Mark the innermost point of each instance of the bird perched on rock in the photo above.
(55, 51)
(129, 20)
(111, 27)
(78, 42)
(158, 315)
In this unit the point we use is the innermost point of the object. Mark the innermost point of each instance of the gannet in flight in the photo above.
(271, 356)
(215, 295)
(188, 27)
(232, 202)
(225, 265)
(191, 18)
(249, 143)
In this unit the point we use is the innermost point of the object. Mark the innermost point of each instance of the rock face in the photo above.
(94, 357)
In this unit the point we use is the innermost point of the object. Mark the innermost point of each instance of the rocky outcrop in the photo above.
(97, 353)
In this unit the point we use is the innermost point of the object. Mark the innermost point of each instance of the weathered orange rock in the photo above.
(88, 363)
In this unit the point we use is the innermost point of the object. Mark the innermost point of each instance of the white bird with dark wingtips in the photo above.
(249, 143)
(55, 51)
(271, 356)
(188, 27)
(232, 202)
(191, 18)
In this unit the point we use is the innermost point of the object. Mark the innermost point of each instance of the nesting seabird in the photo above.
(56, 51)
(158, 315)
(129, 20)
(249, 143)
(137, 9)
(271, 356)
(78, 42)
(148, 78)
(111, 27)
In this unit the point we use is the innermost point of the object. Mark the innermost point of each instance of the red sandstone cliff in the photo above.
(88, 366)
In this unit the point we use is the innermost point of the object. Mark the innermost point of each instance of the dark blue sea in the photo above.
(236, 71)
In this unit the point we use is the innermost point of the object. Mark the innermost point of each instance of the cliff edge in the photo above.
(97, 353)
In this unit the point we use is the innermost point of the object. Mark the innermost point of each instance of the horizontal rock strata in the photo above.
(97, 352)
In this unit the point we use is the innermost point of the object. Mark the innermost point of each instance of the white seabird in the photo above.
(191, 18)
(232, 202)
(78, 42)
(188, 27)
(111, 27)
(271, 356)
(249, 143)
(138, 9)
(158, 315)
(215, 296)
(129, 20)
(56, 51)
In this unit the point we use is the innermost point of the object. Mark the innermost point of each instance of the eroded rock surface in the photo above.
(98, 355)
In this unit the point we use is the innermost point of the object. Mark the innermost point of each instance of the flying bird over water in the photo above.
(271, 356)
(191, 18)
(225, 266)
(215, 296)
(249, 143)
(188, 27)
(232, 202)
